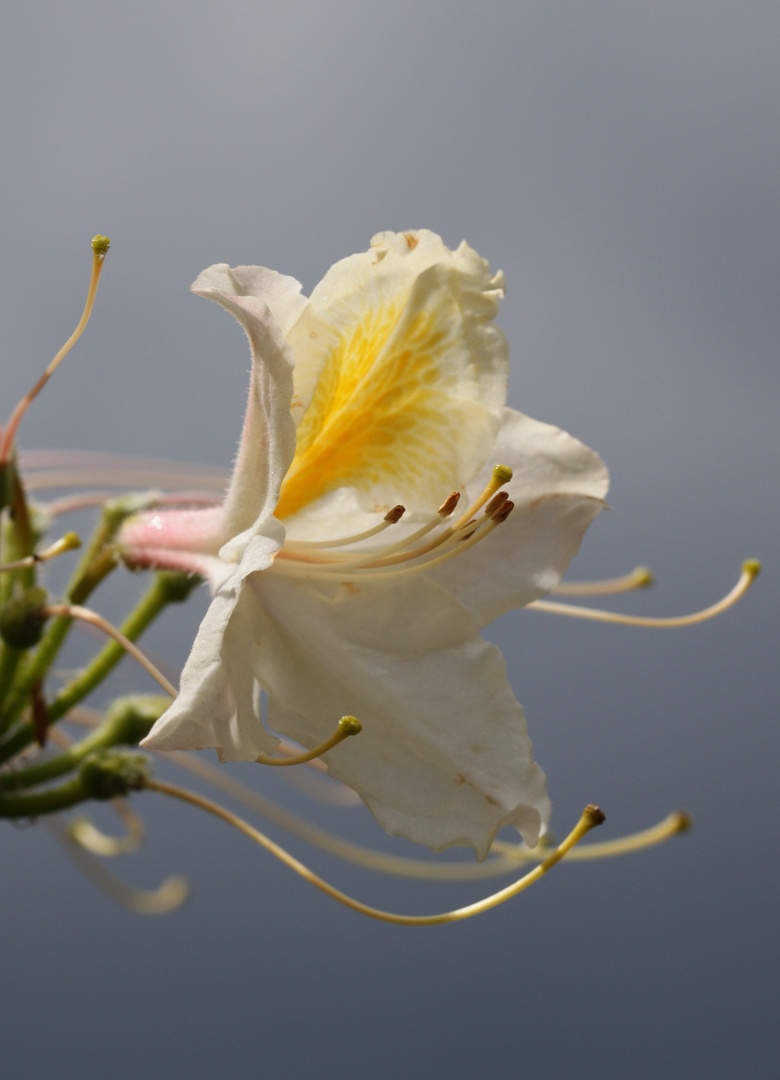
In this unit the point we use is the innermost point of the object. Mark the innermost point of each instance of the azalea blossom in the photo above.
(384, 390)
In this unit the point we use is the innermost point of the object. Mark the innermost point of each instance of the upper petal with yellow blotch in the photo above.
(400, 375)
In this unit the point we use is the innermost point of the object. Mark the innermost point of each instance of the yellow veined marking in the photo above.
(382, 407)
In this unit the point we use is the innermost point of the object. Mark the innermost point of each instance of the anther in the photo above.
(449, 504)
(395, 514)
(348, 725)
(99, 247)
(750, 569)
(503, 512)
(495, 502)
(594, 814)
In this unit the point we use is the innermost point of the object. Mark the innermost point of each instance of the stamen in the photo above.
(591, 817)
(69, 542)
(503, 858)
(375, 566)
(99, 247)
(348, 725)
(170, 895)
(75, 611)
(84, 500)
(441, 515)
(88, 836)
(641, 577)
(390, 518)
(672, 825)
(750, 570)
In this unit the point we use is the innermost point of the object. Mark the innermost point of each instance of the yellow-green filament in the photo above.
(672, 825)
(345, 541)
(750, 570)
(84, 833)
(75, 611)
(503, 858)
(348, 725)
(170, 895)
(591, 817)
(99, 254)
(641, 577)
(69, 542)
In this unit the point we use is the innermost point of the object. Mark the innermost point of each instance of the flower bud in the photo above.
(22, 619)
(105, 774)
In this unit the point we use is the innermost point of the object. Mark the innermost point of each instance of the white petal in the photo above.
(444, 757)
(281, 293)
(402, 372)
(268, 439)
(216, 702)
(558, 488)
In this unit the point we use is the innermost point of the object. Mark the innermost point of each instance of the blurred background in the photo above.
(620, 162)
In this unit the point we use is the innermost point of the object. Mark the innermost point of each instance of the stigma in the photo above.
(436, 541)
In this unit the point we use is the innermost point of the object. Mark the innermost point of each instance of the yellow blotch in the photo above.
(380, 408)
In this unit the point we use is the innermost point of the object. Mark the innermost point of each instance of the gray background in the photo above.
(619, 161)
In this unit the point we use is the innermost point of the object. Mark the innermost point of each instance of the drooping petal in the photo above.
(192, 540)
(268, 439)
(444, 757)
(216, 702)
(558, 487)
(401, 372)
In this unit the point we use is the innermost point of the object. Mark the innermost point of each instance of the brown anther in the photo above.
(684, 821)
(594, 814)
(498, 500)
(395, 514)
(503, 512)
(449, 504)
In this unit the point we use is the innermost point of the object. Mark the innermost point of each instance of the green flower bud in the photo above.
(22, 619)
(105, 774)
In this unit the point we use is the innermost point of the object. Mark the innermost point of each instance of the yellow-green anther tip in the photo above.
(502, 474)
(350, 725)
(752, 567)
(71, 541)
(100, 244)
(644, 577)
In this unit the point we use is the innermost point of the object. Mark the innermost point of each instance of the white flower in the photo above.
(387, 386)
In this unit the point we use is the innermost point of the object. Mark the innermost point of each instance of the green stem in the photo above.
(168, 587)
(43, 802)
(98, 561)
(127, 722)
